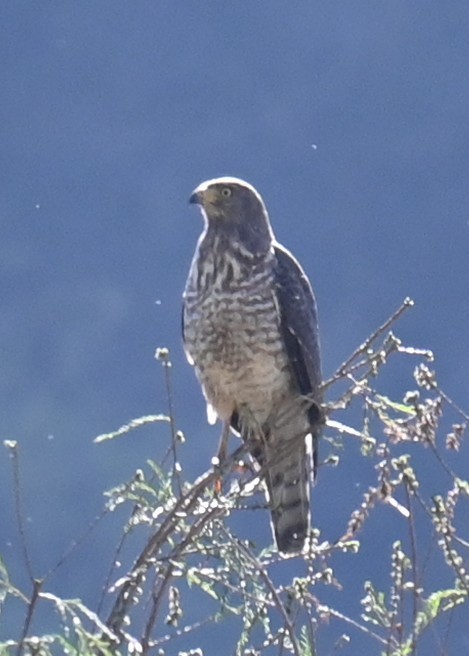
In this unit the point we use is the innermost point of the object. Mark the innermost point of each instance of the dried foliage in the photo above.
(193, 572)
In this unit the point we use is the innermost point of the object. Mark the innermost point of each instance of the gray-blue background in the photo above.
(350, 117)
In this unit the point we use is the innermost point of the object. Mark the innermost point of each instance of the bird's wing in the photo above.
(299, 329)
(188, 355)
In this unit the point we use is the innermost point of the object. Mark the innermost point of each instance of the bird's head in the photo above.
(228, 198)
(233, 205)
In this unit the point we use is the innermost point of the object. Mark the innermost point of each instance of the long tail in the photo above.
(280, 451)
(287, 477)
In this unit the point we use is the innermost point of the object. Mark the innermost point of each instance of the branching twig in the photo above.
(181, 510)
(190, 540)
(275, 596)
(344, 367)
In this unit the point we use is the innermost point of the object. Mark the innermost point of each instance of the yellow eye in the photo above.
(226, 192)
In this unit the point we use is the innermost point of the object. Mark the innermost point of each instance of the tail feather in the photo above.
(279, 448)
(287, 479)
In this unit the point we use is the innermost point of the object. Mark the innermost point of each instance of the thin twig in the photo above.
(157, 598)
(76, 544)
(13, 447)
(188, 628)
(162, 354)
(181, 510)
(37, 584)
(450, 402)
(273, 591)
(179, 550)
(344, 367)
(414, 551)
(111, 570)
(327, 610)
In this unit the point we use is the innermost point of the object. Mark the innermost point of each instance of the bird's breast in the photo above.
(232, 333)
(229, 326)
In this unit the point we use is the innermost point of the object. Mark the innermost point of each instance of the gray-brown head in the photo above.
(234, 207)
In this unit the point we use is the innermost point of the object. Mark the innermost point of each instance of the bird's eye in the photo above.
(226, 192)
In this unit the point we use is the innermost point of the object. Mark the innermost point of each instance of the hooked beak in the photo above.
(195, 198)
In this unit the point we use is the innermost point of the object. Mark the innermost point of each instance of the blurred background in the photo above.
(351, 119)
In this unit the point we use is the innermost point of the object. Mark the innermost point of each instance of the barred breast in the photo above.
(232, 335)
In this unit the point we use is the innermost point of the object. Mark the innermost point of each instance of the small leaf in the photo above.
(127, 428)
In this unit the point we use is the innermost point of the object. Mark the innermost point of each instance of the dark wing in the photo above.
(299, 329)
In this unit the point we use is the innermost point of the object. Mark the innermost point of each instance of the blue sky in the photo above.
(351, 120)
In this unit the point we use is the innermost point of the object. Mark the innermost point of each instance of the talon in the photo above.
(218, 485)
(240, 467)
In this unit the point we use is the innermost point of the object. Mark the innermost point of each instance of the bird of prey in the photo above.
(250, 329)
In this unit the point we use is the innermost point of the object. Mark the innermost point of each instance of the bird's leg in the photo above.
(219, 460)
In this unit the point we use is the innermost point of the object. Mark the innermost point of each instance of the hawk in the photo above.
(250, 330)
